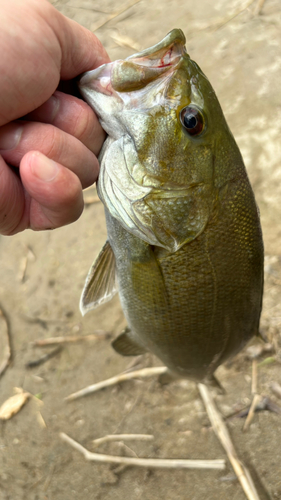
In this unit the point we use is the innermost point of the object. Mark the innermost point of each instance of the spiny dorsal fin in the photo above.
(100, 283)
(124, 345)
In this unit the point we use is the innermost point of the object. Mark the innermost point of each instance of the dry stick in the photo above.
(256, 400)
(43, 359)
(67, 339)
(144, 462)
(114, 15)
(30, 256)
(254, 388)
(122, 437)
(259, 7)
(6, 352)
(143, 373)
(224, 437)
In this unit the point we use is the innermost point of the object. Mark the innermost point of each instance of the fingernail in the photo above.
(43, 168)
(10, 136)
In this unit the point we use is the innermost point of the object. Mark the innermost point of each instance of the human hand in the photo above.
(54, 147)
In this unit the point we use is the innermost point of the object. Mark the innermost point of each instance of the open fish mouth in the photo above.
(164, 53)
(138, 70)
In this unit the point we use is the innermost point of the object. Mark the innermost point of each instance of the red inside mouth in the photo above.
(163, 63)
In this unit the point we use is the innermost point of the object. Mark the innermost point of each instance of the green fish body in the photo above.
(184, 242)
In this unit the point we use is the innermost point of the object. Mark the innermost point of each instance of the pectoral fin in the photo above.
(124, 345)
(100, 285)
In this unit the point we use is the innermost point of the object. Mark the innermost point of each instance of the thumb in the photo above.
(55, 192)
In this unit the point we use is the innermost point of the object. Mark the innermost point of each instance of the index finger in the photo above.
(81, 49)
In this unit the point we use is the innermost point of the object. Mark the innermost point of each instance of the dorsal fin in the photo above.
(100, 285)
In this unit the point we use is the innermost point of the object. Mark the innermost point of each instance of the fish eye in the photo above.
(192, 119)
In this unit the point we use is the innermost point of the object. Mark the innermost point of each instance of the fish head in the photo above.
(160, 172)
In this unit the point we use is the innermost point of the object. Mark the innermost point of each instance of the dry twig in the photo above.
(224, 437)
(43, 359)
(254, 388)
(29, 257)
(144, 462)
(259, 7)
(256, 401)
(68, 339)
(143, 373)
(122, 437)
(5, 347)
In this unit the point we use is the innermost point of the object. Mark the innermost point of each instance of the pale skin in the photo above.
(54, 149)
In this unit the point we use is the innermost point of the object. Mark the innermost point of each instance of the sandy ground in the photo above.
(240, 52)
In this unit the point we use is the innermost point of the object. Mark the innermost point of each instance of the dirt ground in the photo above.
(240, 51)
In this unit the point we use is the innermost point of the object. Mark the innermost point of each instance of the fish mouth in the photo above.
(138, 70)
(164, 53)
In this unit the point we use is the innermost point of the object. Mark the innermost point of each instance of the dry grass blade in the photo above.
(143, 373)
(126, 41)
(68, 339)
(122, 437)
(29, 257)
(259, 7)
(222, 21)
(254, 388)
(144, 462)
(5, 348)
(114, 15)
(256, 401)
(222, 433)
(236, 14)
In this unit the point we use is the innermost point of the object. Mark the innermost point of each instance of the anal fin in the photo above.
(100, 283)
(126, 346)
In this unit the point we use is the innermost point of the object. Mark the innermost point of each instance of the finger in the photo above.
(56, 48)
(81, 49)
(55, 192)
(18, 138)
(12, 201)
(73, 116)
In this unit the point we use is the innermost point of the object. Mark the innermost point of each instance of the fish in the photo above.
(184, 248)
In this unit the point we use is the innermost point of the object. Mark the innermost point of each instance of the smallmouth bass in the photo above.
(184, 244)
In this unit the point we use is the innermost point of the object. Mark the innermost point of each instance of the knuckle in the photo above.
(53, 143)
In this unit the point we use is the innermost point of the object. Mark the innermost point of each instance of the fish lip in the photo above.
(103, 71)
(98, 80)
(173, 38)
(162, 56)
